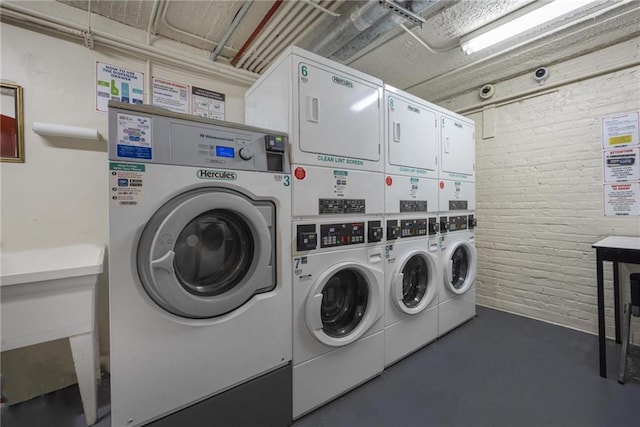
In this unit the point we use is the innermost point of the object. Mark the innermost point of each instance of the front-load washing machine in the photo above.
(458, 261)
(412, 284)
(199, 271)
(338, 281)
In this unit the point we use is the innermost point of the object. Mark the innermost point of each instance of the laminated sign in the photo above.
(621, 164)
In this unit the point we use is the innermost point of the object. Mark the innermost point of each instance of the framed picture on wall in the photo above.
(11, 124)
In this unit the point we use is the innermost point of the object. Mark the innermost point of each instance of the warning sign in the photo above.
(621, 165)
(622, 199)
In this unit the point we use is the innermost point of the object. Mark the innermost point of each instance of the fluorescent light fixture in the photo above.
(522, 23)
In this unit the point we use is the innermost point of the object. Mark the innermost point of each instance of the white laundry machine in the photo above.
(412, 271)
(458, 261)
(456, 200)
(199, 271)
(338, 281)
(331, 112)
(334, 117)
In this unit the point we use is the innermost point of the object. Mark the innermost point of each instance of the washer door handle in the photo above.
(165, 262)
(315, 318)
(397, 286)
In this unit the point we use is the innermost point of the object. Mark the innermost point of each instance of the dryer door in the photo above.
(413, 283)
(460, 267)
(207, 252)
(343, 304)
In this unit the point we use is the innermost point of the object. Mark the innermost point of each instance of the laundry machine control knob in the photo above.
(246, 153)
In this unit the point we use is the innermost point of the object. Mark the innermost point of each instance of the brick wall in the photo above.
(539, 192)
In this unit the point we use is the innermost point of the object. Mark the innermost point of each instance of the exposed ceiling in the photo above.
(368, 37)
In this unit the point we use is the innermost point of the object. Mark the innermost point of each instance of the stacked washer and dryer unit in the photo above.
(334, 117)
(458, 259)
(199, 271)
(412, 270)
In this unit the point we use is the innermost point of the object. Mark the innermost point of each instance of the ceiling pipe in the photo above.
(388, 23)
(321, 8)
(32, 18)
(427, 46)
(347, 27)
(276, 24)
(232, 27)
(255, 32)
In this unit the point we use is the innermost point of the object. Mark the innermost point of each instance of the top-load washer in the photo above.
(334, 117)
(411, 204)
(199, 270)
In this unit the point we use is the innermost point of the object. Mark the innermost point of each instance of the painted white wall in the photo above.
(539, 191)
(59, 195)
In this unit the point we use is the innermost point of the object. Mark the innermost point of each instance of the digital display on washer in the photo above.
(349, 233)
(222, 151)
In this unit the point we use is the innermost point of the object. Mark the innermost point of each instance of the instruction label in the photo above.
(171, 95)
(126, 181)
(207, 103)
(118, 84)
(340, 185)
(621, 165)
(620, 130)
(622, 199)
(134, 136)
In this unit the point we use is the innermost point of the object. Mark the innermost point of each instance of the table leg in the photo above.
(84, 359)
(601, 331)
(616, 299)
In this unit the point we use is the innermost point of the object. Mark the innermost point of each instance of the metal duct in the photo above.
(347, 27)
(382, 27)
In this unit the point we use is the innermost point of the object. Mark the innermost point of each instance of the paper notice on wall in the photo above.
(207, 103)
(170, 95)
(117, 84)
(622, 199)
(621, 165)
(620, 130)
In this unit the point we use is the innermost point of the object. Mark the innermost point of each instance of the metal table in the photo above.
(616, 249)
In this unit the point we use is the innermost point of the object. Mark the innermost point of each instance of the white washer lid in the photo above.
(37, 265)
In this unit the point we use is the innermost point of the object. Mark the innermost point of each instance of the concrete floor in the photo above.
(496, 370)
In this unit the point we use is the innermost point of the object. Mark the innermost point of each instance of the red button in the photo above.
(389, 181)
(442, 185)
(300, 173)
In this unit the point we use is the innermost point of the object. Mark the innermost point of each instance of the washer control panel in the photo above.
(457, 223)
(348, 233)
(413, 227)
(338, 234)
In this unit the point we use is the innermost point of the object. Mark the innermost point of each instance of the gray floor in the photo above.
(496, 370)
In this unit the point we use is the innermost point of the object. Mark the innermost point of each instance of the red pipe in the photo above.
(255, 33)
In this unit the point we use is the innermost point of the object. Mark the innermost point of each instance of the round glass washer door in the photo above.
(413, 283)
(343, 304)
(460, 267)
(207, 252)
